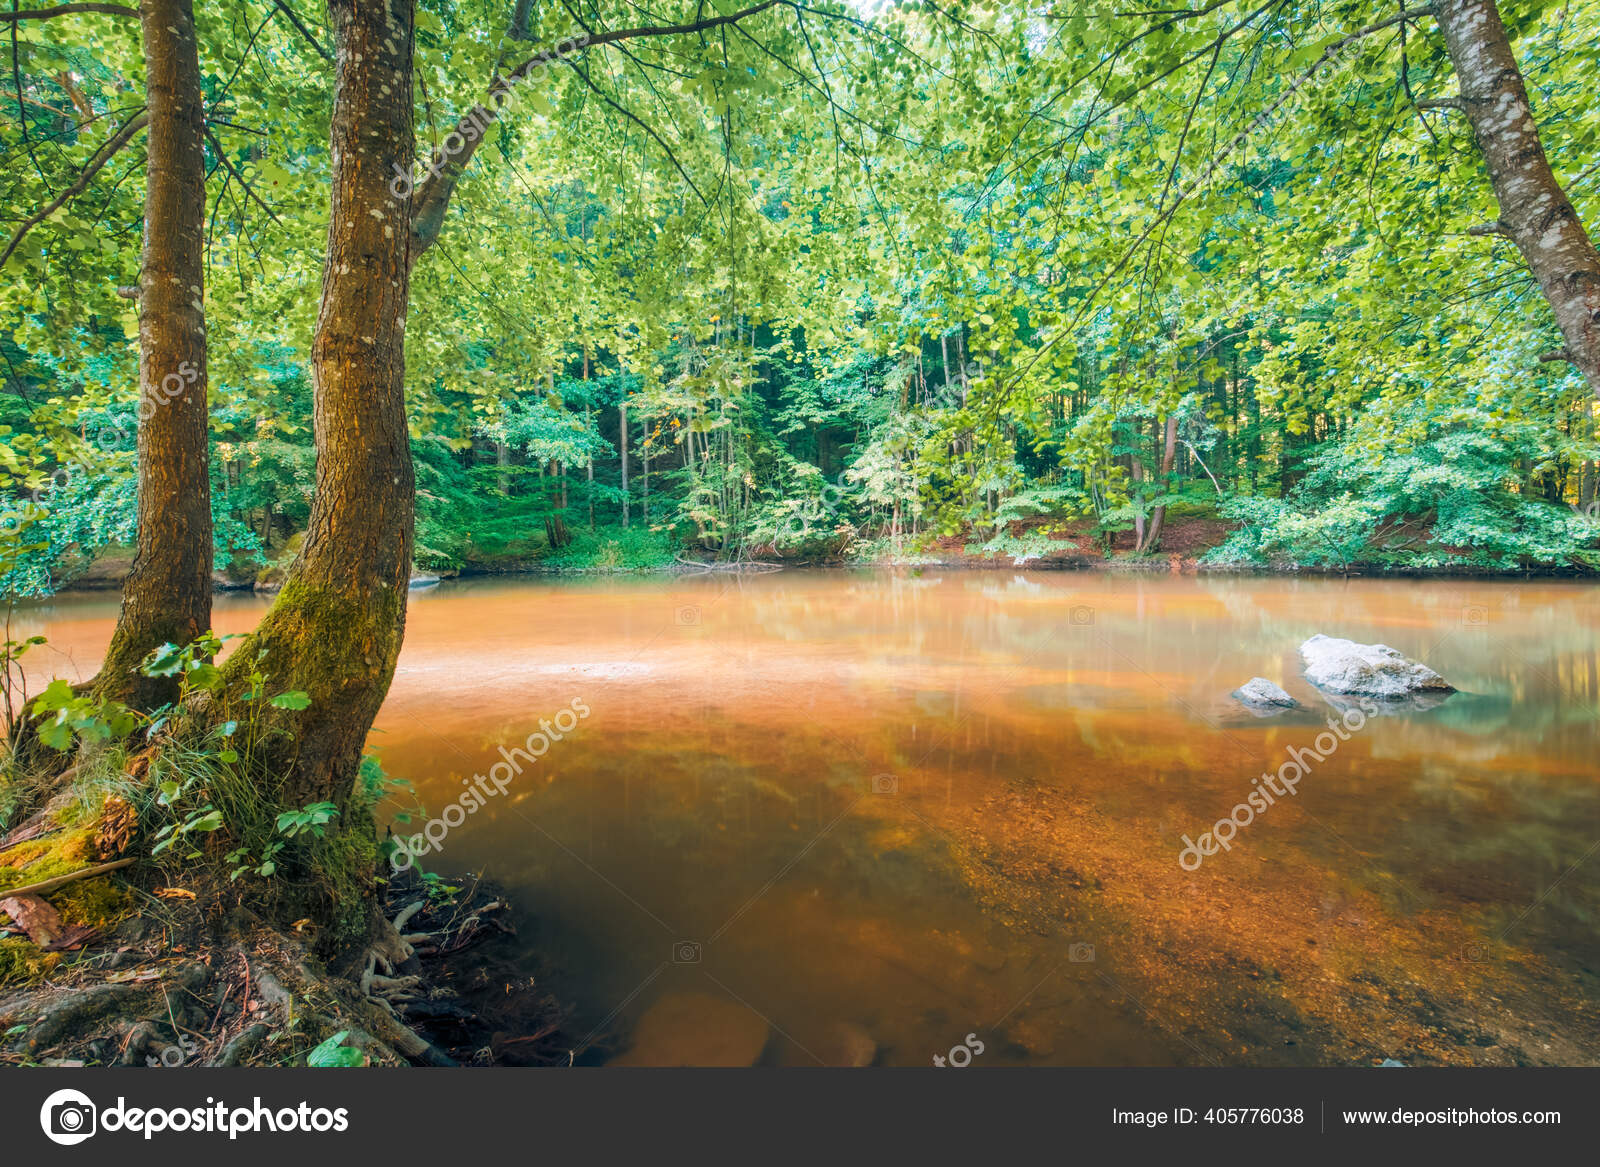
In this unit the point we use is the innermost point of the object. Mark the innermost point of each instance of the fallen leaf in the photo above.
(75, 936)
(174, 893)
(148, 974)
(41, 922)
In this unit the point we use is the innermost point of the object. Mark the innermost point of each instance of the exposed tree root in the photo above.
(170, 976)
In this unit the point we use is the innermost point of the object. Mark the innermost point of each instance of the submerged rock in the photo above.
(695, 1029)
(1262, 696)
(1371, 670)
(835, 1043)
(847, 1044)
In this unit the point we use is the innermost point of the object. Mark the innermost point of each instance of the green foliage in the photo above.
(857, 278)
(612, 549)
(67, 718)
(1458, 494)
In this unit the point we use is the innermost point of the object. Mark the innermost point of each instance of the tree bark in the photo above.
(167, 596)
(1535, 213)
(336, 628)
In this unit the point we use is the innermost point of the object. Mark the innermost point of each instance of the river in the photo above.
(905, 817)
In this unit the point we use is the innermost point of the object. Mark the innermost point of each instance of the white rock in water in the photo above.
(695, 1029)
(1260, 691)
(1373, 670)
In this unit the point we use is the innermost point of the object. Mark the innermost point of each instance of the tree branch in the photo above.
(106, 152)
(234, 171)
(69, 10)
(431, 196)
(303, 30)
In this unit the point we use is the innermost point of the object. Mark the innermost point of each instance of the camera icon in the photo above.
(686, 952)
(885, 784)
(1475, 954)
(1081, 616)
(68, 1117)
(687, 616)
(1474, 615)
(1080, 953)
(111, 435)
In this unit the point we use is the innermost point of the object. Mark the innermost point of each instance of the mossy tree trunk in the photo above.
(335, 629)
(167, 596)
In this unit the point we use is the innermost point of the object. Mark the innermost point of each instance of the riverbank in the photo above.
(1185, 545)
(120, 969)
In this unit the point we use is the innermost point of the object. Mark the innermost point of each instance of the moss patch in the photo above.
(98, 903)
(47, 857)
(23, 963)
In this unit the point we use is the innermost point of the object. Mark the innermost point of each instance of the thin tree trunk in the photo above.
(336, 627)
(1168, 456)
(589, 467)
(622, 444)
(167, 596)
(1535, 213)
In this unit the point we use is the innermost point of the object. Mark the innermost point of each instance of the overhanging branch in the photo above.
(106, 152)
(68, 10)
(431, 196)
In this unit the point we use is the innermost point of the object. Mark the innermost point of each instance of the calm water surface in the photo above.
(909, 808)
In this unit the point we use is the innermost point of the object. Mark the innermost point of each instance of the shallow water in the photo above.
(951, 803)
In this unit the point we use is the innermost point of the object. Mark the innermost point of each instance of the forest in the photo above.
(323, 304)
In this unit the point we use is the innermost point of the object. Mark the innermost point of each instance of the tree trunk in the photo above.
(1169, 454)
(336, 627)
(167, 596)
(622, 444)
(1535, 212)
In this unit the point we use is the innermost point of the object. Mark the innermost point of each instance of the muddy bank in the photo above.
(1185, 543)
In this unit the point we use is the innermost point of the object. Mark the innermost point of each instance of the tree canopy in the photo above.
(818, 279)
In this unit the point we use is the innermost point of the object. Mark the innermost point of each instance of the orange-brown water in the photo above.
(945, 804)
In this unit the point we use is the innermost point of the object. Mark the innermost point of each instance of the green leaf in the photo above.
(333, 1054)
(294, 699)
(56, 735)
(165, 661)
